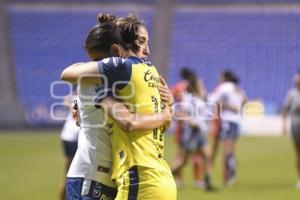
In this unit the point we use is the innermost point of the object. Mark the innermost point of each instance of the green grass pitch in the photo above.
(32, 166)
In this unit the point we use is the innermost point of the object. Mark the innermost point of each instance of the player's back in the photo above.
(230, 94)
(195, 108)
(93, 158)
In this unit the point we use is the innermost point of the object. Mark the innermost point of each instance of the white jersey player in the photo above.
(69, 138)
(193, 140)
(91, 166)
(231, 98)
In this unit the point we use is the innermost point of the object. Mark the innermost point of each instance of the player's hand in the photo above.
(75, 113)
(165, 93)
(167, 116)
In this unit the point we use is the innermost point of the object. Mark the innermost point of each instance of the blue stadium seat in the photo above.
(85, 1)
(44, 41)
(238, 1)
(261, 47)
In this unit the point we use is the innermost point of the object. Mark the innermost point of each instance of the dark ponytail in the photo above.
(102, 36)
(105, 17)
(193, 85)
(230, 77)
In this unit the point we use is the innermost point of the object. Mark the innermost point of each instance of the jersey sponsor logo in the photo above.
(151, 79)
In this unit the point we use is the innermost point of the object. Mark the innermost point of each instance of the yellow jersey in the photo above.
(134, 81)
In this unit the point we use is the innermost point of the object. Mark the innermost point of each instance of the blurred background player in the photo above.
(177, 91)
(90, 171)
(214, 127)
(193, 141)
(231, 98)
(69, 138)
(292, 109)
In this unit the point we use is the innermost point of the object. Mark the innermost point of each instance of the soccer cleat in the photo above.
(231, 182)
(210, 188)
(208, 185)
(199, 184)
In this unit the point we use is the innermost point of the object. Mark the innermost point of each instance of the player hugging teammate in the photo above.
(130, 152)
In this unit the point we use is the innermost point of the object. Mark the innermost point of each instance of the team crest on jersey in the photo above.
(96, 193)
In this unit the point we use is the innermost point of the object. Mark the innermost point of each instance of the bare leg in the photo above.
(178, 166)
(215, 132)
(229, 160)
(197, 164)
(178, 160)
(207, 163)
(215, 147)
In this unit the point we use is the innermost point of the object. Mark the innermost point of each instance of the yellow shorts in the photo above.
(146, 184)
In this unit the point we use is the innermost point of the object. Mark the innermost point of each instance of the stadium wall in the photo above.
(10, 109)
(164, 53)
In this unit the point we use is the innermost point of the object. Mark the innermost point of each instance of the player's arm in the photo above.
(108, 70)
(133, 121)
(82, 72)
(202, 89)
(244, 96)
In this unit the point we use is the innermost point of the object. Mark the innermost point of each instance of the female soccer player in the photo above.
(69, 138)
(231, 98)
(193, 115)
(178, 90)
(90, 174)
(292, 108)
(139, 167)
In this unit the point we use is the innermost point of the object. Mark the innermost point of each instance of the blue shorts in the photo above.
(69, 148)
(83, 189)
(230, 130)
(192, 139)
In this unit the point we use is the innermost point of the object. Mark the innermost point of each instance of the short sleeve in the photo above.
(116, 71)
